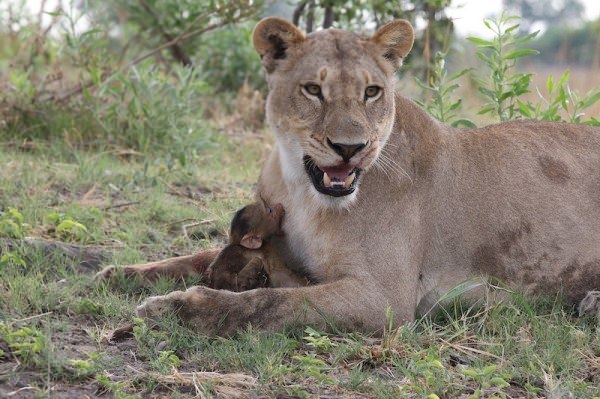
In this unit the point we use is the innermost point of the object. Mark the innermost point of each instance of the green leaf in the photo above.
(550, 84)
(471, 373)
(455, 105)
(459, 74)
(526, 38)
(437, 364)
(507, 94)
(591, 101)
(499, 382)
(485, 110)
(484, 58)
(422, 85)
(564, 78)
(480, 42)
(514, 54)
(449, 89)
(487, 92)
(486, 22)
(524, 108)
(593, 122)
(465, 123)
(512, 28)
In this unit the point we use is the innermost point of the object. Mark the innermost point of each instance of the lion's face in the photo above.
(331, 102)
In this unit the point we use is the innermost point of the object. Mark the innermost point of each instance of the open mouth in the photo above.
(336, 181)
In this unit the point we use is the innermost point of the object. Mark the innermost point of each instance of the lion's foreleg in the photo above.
(347, 304)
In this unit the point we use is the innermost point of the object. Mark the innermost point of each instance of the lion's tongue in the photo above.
(338, 176)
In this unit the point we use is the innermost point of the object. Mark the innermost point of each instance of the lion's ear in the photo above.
(272, 38)
(395, 39)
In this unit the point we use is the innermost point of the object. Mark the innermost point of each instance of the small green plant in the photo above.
(116, 388)
(309, 365)
(12, 224)
(149, 110)
(150, 342)
(89, 306)
(390, 334)
(67, 228)
(503, 86)
(427, 375)
(317, 340)
(488, 381)
(12, 259)
(228, 59)
(83, 368)
(561, 102)
(166, 361)
(440, 89)
(25, 343)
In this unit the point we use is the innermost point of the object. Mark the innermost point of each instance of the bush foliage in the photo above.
(105, 76)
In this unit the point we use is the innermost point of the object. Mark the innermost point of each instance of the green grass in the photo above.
(54, 317)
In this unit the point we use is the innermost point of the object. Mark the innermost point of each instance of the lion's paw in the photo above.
(590, 305)
(153, 308)
(207, 311)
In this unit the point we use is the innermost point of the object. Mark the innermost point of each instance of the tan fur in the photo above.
(435, 206)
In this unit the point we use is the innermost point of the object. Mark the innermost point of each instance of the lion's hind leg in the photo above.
(590, 305)
(179, 267)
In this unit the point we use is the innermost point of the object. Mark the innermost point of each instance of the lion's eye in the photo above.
(313, 89)
(372, 91)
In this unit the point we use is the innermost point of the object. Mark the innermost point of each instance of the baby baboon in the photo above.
(253, 258)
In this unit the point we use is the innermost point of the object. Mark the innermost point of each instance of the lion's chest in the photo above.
(311, 243)
(322, 243)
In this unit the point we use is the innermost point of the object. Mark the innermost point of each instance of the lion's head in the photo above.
(331, 101)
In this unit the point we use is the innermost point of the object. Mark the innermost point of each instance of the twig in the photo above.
(176, 51)
(32, 317)
(467, 349)
(329, 18)
(298, 12)
(310, 16)
(13, 393)
(178, 221)
(185, 227)
(120, 205)
(175, 191)
(185, 36)
(79, 88)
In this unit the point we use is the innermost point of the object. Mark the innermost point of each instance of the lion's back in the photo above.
(520, 201)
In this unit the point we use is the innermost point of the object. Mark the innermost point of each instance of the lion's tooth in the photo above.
(348, 180)
(326, 180)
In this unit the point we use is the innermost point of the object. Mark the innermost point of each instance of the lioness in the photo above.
(386, 207)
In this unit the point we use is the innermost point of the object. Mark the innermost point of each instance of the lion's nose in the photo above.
(346, 151)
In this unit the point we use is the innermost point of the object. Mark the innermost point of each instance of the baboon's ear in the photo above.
(272, 38)
(395, 40)
(251, 241)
